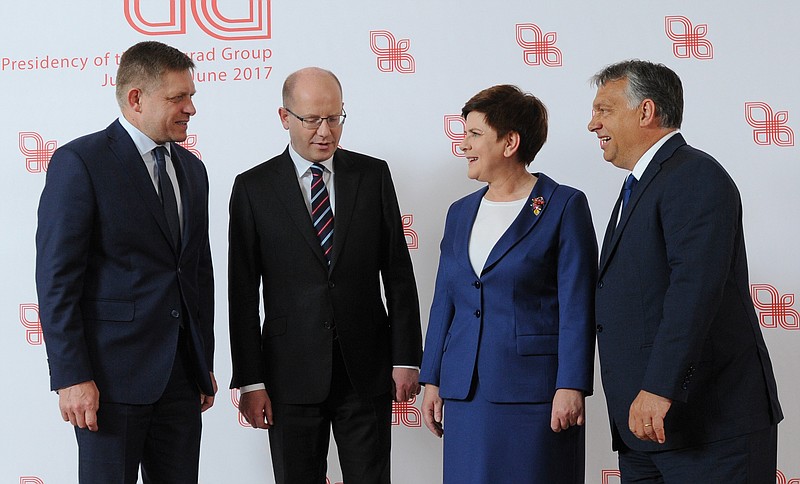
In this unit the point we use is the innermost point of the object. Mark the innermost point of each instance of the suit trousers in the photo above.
(361, 427)
(746, 459)
(164, 437)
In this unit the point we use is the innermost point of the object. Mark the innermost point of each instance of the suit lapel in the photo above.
(662, 155)
(288, 190)
(466, 219)
(130, 160)
(346, 183)
(525, 222)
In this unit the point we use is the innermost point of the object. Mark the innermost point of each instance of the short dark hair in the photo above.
(144, 63)
(648, 80)
(507, 108)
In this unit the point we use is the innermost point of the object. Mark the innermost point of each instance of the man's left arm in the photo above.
(205, 284)
(700, 217)
(400, 289)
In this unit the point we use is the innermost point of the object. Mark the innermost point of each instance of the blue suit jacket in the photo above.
(674, 312)
(525, 324)
(112, 289)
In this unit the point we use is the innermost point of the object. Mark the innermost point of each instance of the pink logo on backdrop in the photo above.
(780, 478)
(768, 128)
(37, 151)
(328, 481)
(774, 309)
(392, 54)
(30, 480)
(29, 317)
(607, 474)
(687, 40)
(412, 238)
(406, 413)
(250, 21)
(455, 128)
(189, 143)
(235, 397)
(537, 47)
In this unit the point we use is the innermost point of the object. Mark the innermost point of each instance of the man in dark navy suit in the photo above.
(125, 284)
(688, 380)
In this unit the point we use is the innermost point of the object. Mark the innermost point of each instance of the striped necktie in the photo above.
(321, 212)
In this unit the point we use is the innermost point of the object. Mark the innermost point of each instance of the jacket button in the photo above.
(175, 313)
(685, 386)
(331, 284)
(477, 284)
(600, 285)
(326, 325)
(599, 328)
(477, 313)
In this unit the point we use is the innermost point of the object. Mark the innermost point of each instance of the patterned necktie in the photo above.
(321, 212)
(627, 188)
(167, 194)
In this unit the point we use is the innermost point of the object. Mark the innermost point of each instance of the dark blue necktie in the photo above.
(167, 194)
(321, 212)
(627, 188)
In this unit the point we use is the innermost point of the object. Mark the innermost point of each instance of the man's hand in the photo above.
(432, 405)
(568, 409)
(646, 417)
(405, 384)
(207, 401)
(257, 409)
(79, 404)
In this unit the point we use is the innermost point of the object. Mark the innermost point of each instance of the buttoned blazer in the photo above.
(674, 312)
(274, 250)
(112, 287)
(525, 325)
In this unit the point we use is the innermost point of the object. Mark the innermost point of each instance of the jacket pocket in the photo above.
(108, 309)
(537, 344)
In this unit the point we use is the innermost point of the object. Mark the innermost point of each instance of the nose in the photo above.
(463, 145)
(324, 128)
(190, 109)
(594, 124)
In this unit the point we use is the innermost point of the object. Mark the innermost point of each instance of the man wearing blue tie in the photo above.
(125, 283)
(688, 380)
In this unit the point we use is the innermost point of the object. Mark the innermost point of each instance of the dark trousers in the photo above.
(164, 438)
(746, 459)
(361, 427)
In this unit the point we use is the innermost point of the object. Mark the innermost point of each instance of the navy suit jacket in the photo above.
(674, 313)
(112, 289)
(273, 250)
(525, 324)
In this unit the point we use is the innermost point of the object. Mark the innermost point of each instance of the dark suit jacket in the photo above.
(273, 246)
(526, 323)
(674, 313)
(112, 289)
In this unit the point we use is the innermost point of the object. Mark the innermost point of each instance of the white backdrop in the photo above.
(405, 67)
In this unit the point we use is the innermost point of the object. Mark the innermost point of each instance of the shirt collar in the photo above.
(143, 143)
(647, 157)
(302, 165)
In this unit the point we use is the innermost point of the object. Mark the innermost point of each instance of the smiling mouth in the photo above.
(470, 159)
(604, 141)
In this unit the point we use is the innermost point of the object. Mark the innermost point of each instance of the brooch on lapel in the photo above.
(537, 204)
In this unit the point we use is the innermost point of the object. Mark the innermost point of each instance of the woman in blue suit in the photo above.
(509, 350)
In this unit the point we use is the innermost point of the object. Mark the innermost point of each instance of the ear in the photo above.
(647, 115)
(512, 144)
(135, 100)
(284, 115)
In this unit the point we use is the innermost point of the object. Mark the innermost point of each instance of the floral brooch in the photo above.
(537, 204)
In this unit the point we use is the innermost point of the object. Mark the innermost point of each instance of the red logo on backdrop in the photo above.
(37, 151)
(29, 317)
(328, 481)
(541, 48)
(768, 128)
(688, 41)
(774, 309)
(249, 20)
(607, 474)
(392, 54)
(780, 478)
(235, 397)
(406, 413)
(412, 239)
(455, 128)
(189, 143)
(30, 480)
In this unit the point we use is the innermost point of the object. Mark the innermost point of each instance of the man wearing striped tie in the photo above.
(315, 230)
